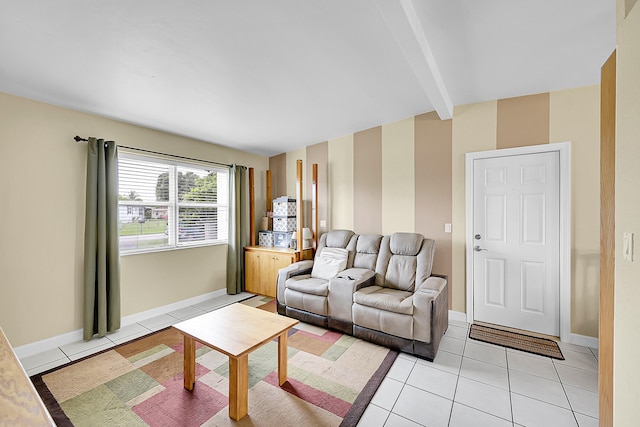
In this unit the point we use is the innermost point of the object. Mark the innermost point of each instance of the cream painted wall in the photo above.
(340, 170)
(160, 278)
(575, 116)
(626, 410)
(42, 171)
(473, 129)
(398, 181)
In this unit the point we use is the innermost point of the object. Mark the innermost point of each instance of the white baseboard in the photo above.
(48, 343)
(135, 318)
(77, 335)
(458, 316)
(584, 340)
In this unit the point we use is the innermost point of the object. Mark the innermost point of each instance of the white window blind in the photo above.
(164, 204)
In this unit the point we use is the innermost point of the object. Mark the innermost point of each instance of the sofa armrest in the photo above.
(430, 302)
(433, 283)
(341, 289)
(295, 269)
(358, 277)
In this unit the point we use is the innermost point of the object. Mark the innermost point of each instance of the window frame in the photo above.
(173, 205)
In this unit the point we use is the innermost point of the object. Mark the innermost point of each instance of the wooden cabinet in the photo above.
(261, 265)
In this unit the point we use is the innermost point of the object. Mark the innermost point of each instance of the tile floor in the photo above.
(470, 383)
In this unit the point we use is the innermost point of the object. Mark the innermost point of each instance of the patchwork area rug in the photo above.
(332, 378)
(530, 344)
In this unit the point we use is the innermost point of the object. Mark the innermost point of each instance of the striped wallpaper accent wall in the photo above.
(278, 168)
(341, 191)
(523, 121)
(367, 180)
(433, 187)
(410, 176)
(398, 181)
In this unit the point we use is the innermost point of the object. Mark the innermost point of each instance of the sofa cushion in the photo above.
(309, 285)
(367, 249)
(406, 243)
(404, 261)
(330, 262)
(315, 304)
(400, 325)
(338, 238)
(385, 299)
(401, 273)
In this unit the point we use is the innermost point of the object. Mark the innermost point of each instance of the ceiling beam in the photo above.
(402, 20)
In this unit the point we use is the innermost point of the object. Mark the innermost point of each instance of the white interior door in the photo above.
(516, 257)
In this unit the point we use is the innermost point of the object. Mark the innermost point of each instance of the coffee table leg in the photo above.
(238, 386)
(189, 362)
(282, 357)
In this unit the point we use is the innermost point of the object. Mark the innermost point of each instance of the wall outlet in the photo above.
(447, 228)
(323, 223)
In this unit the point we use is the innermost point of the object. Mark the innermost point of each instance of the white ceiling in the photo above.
(273, 76)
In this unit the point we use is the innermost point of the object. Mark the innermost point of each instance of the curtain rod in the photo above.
(78, 139)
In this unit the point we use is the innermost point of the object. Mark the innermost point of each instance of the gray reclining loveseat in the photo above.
(378, 288)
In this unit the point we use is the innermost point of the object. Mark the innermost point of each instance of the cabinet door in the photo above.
(252, 276)
(261, 271)
(270, 277)
(266, 262)
(281, 261)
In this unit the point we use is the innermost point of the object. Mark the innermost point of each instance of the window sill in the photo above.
(173, 248)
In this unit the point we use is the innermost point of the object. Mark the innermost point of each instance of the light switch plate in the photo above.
(627, 246)
(447, 228)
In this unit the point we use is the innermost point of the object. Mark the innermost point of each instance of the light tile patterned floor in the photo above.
(470, 383)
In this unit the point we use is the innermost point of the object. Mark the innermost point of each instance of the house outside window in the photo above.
(164, 204)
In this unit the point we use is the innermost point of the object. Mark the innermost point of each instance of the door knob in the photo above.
(478, 248)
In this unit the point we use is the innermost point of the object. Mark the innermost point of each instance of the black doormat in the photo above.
(517, 341)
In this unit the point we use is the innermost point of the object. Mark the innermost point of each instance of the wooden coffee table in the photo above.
(235, 330)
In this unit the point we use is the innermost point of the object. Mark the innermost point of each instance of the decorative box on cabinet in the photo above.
(265, 238)
(284, 223)
(282, 240)
(284, 207)
(261, 265)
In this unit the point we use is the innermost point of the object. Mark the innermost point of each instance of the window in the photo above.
(163, 204)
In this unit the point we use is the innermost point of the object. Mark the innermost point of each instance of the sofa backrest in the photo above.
(345, 239)
(367, 250)
(404, 260)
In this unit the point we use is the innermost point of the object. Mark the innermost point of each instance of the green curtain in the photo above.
(238, 228)
(101, 251)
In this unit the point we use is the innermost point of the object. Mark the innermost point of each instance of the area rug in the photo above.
(518, 341)
(332, 378)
